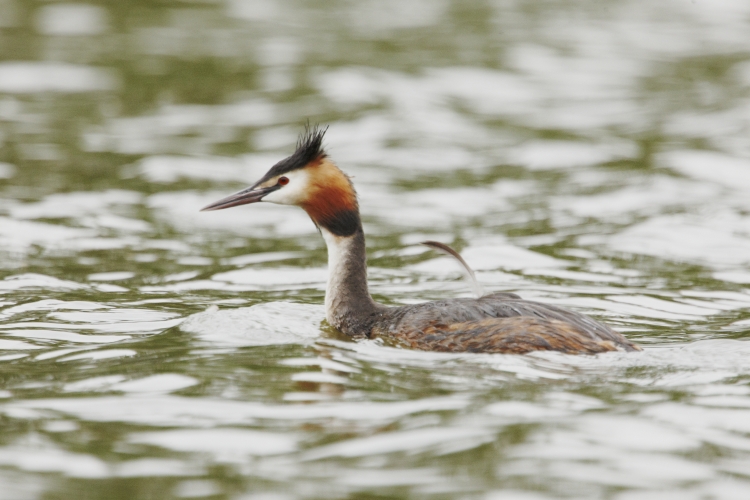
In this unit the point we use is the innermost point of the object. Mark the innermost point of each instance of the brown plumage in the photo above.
(517, 335)
(495, 323)
(499, 322)
(329, 194)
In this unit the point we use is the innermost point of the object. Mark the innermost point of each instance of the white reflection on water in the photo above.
(69, 19)
(263, 324)
(167, 169)
(162, 383)
(31, 280)
(111, 276)
(717, 238)
(648, 197)
(20, 235)
(156, 133)
(74, 205)
(34, 77)
(225, 444)
(60, 323)
(169, 411)
(727, 171)
(443, 440)
(25, 456)
(549, 155)
(7, 170)
(264, 279)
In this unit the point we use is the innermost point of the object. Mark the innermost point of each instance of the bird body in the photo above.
(494, 323)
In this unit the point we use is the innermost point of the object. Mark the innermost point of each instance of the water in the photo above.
(590, 154)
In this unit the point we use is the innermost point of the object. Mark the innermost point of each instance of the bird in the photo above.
(499, 322)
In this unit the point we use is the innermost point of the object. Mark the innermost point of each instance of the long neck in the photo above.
(349, 305)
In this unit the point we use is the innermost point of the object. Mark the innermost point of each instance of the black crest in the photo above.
(310, 144)
(309, 148)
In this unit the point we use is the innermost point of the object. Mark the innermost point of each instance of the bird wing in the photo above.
(514, 335)
(448, 315)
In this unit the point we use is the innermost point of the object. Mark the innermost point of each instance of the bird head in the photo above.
(308, 179)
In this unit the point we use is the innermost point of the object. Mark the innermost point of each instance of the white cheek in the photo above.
(294, 192)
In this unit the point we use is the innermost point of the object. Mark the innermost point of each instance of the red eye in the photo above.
(283, 181)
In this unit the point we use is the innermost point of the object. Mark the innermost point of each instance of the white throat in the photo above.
(338, 256)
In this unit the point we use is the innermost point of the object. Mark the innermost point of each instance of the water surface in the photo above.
(590, 154)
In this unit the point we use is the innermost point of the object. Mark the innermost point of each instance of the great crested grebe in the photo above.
(494, 323)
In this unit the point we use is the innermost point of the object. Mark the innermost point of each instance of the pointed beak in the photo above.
(249, 195)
